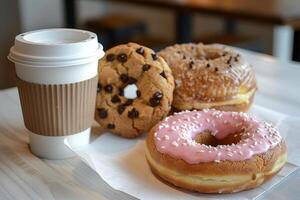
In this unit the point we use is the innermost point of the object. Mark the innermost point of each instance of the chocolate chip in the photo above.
(216, 69)
(131, 80)
(207, 65)
(184, 57)
(102, 113)
(178, 52)
(229, 66)
(154, 102)
(122, 57)
(154, 56)
(99, 87)
(140, 51)
(108, 88)
(146, 67)
(124, 78)
(138, 93)
(236, 59)
(110, 126)
(121, 91)
(115, 99)
(163, 74)
(191, 64)
(110, 57)
(229, 60)
(128, 102)
(157, 95)
(133, 113)
(121, 108)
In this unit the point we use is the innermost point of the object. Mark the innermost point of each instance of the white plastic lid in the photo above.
(55, 48)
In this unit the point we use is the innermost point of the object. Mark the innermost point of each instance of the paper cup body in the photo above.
(56, 73)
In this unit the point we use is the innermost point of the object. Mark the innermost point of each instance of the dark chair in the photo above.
(116, 29)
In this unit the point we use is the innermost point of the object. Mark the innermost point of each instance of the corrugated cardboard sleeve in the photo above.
(58, 110)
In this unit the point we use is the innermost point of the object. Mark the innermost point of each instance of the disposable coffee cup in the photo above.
(56, 73)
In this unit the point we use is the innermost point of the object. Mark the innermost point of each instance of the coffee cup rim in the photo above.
(82, 50)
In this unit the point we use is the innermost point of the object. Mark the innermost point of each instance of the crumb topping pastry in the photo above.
(209, 76)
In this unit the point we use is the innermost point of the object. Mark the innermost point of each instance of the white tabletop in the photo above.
(24, 176)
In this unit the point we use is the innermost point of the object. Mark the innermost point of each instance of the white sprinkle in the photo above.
(219, 154)
(229, 154)
(166, 137)
(155, 134)
(175, 144)
(214, 133)
(162, 147)
(217, 161)
(207, 120)
(158, 139)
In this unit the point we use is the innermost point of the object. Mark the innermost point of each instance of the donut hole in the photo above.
(206, 137)
(212, 55)
(209, 55)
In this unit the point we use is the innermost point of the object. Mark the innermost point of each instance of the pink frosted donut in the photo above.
(215, 152)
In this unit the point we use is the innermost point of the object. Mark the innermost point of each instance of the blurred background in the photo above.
(268, 26)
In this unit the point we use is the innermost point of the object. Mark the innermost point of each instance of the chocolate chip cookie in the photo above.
(135, 90)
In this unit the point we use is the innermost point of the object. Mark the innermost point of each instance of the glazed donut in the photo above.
(214, 151)
(210, 76)
(135, 90)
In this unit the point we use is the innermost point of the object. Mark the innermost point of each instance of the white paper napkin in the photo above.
(122, 164)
